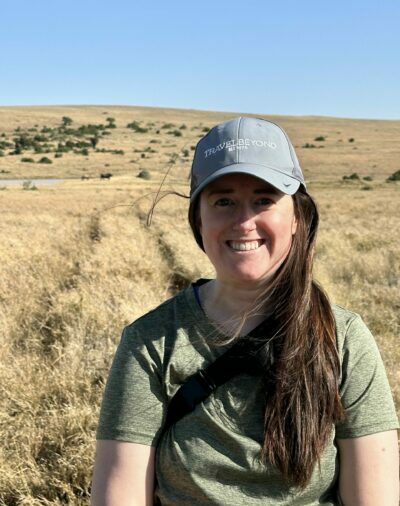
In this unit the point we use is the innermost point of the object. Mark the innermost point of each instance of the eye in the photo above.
(223, 202)
(264, 201)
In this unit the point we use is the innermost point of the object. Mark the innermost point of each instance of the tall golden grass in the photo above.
(78, 263)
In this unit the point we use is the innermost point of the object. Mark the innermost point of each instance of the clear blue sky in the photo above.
(337, 58)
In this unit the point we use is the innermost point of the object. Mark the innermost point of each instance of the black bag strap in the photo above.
(239, 358)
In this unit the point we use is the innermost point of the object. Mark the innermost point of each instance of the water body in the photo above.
(36, 182)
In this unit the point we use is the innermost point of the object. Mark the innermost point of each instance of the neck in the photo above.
(227, 305)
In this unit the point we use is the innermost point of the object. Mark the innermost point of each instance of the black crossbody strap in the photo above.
(199, 386)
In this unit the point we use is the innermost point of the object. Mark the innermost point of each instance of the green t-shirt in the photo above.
(211, 456)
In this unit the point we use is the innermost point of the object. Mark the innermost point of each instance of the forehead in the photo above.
(240, 182)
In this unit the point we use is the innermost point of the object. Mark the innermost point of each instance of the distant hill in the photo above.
(124, 140)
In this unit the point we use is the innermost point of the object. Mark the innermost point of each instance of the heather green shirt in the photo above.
(210, 457)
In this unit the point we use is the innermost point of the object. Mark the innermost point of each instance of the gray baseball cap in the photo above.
(248, 146)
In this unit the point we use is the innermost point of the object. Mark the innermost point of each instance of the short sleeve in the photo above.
(364, 389)
(133, 404)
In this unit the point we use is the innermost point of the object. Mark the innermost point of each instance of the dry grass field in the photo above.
(78, 262)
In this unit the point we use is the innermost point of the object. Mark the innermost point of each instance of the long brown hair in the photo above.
(301, 363)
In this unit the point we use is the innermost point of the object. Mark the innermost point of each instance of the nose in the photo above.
(244, 219)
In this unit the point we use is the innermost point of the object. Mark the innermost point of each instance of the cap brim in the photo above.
(279, 180)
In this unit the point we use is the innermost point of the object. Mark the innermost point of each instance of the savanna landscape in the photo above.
(84, 256)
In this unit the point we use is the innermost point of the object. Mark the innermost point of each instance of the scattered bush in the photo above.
(6, 144)
(1, 153)
(44, 159)
(66, 121)
(308, 145)
(168, 125)
(206, 129)
(27, 160)
(183, 127)
(185, 153)
(58, 155)
(394, 177)
(110, 123)
(367, 178)
(351, 139)
(353, 177)
(319, 138)
(105, 175)
(144, 174)
(177, 133)
(134, 125)
(366, 188)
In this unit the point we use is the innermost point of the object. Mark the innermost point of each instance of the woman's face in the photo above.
(246, 226)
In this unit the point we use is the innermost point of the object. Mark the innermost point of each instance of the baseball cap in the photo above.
(245, 145)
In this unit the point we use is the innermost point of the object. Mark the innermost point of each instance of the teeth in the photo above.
(245, 245)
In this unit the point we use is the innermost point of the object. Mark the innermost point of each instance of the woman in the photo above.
(309, 418)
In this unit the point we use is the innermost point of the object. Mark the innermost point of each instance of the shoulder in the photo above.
(162, 321)
(351, 331)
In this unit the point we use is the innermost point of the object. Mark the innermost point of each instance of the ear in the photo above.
(294, 224)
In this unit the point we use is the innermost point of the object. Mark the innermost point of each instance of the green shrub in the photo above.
(394, 177)
(1, 153)
(185, 153)
(319, 138)
(66, 121)
(111, 123)
(308, 145)
(27, 160)
(177, 133)
(351, 139)
(183, 127)
(168, 125)
(44, 159)
(134, 125)
(206, 129)
(353, 177)
(58, 155)
(144, 174)
(367, 178)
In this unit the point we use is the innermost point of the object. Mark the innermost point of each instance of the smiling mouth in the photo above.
(245, 245)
